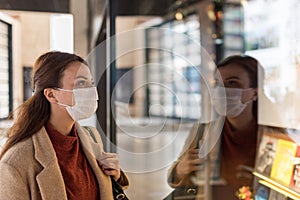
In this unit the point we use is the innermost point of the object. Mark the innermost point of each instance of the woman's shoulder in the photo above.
(20, 153)
(90, 132)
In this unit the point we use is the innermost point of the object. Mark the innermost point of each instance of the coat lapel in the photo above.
(93, 150)
(50, 180)
(51, 183)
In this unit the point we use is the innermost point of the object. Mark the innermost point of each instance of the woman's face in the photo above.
(76, 75)
(235, 76)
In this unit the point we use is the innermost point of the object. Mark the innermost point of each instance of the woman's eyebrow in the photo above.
(80, 76)
(233, 77)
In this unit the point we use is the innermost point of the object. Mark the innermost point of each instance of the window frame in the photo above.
(10, 70)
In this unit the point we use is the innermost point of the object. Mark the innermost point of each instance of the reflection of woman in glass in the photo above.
(239, 135)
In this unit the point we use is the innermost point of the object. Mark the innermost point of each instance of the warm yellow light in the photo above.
(244, 2)
(211, 13)
(178, 15)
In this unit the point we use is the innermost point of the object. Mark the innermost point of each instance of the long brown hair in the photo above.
(250, 65)
(34, 113)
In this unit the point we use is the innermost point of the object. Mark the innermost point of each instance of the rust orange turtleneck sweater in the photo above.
(78, 176)
(238, 148)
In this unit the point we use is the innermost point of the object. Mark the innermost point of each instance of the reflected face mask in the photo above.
(85, 103)
(227, 101)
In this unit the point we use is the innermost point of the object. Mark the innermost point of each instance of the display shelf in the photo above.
(274, 185)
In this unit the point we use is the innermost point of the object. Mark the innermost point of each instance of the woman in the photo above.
(238, 139)
(48, 155)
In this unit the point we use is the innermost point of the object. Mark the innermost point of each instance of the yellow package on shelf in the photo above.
(283, 166)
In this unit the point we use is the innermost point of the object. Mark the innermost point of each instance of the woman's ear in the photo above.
(49, 93)
(255, 95)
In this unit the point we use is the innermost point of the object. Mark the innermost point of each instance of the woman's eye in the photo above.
(83, 84)
(80, 84)
(231, 84)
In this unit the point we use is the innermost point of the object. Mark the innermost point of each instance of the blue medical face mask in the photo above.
(85, 103)
(227, 101)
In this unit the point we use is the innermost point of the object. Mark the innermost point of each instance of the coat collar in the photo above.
(92, 151)
(50, 180)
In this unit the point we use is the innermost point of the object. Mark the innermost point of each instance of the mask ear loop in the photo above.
(256, 96)
(65, 90)
(247, 102)
(62, 104)
(251, 99)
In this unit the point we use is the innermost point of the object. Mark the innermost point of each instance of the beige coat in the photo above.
(214, 130)
(212, 144)
(30, 170)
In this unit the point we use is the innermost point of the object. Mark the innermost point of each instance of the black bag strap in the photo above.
(91, 133)
(200, 132)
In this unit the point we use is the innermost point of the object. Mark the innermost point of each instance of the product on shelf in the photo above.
(283, 166)
(266, 154)
(277, 167)
(295, 182)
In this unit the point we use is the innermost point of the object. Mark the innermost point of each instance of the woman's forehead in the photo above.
(75, 70)
(233, 70)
